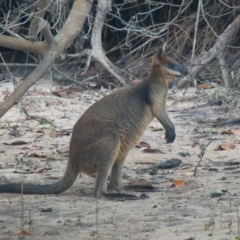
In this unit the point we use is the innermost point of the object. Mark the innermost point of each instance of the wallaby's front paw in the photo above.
(170, 136)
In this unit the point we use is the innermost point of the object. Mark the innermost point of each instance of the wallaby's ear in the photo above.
(159, 55)
(164, 47)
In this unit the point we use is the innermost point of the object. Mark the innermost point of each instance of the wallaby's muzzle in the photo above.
(177, 69)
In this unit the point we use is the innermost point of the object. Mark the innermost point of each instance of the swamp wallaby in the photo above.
(105, 133)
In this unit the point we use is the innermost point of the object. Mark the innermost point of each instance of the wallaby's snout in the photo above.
(178, 69)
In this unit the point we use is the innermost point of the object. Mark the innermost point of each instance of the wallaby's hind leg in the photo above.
(115, 183)
(106, 153)
(107, 156)
(116, 176)
(116, 180)
(109, 161)
(116, 186)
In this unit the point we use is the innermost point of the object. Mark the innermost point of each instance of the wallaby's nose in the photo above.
(186, 72)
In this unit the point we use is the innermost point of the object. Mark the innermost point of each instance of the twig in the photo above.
(39, 136)
(19, 64)
(11, 32)
(63, 56)
(97, 211)
(22, 203)
(13, 78)
(202, 154)
(68, 78)
(51, 97)
(36, 117)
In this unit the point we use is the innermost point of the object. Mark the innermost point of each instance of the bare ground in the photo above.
(184, 213)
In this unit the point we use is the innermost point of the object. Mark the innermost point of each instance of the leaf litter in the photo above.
(182, 210)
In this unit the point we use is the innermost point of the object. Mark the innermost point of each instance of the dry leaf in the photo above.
(237, 131)
(195, 143)
(143, 145)
(224, 146)
(25, 170)
(6, 92)
(63, 94)
(40, 169)
(63, 150)
(203, 120)
(227, 131)
(157, 129)
(141, 183)
(205, 86)
(152, 150)
(189, 174)
(79, 89)
(236, 141)
(25, 233)
(53, 134)
(43, 93)
(179, 183)
(38, 131)
(33, 155)
(37, 155)
(19, 142)
(58, 88)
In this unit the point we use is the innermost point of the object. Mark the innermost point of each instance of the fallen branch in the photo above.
(229, 122)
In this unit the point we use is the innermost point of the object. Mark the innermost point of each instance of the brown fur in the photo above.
(106, 132)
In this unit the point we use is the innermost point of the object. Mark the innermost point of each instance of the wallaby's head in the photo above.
(166, 67)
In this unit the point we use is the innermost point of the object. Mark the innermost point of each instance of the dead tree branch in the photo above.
(207, 57)
(96, 42)
(26, 84)
(225, 71)
(49, 49)
(41, 8)
(22, 44)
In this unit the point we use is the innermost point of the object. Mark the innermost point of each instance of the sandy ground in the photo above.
(188, 212)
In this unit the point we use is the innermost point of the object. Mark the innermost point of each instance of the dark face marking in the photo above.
(174, 66)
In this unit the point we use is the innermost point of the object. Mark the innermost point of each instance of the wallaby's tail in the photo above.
(29, 188)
